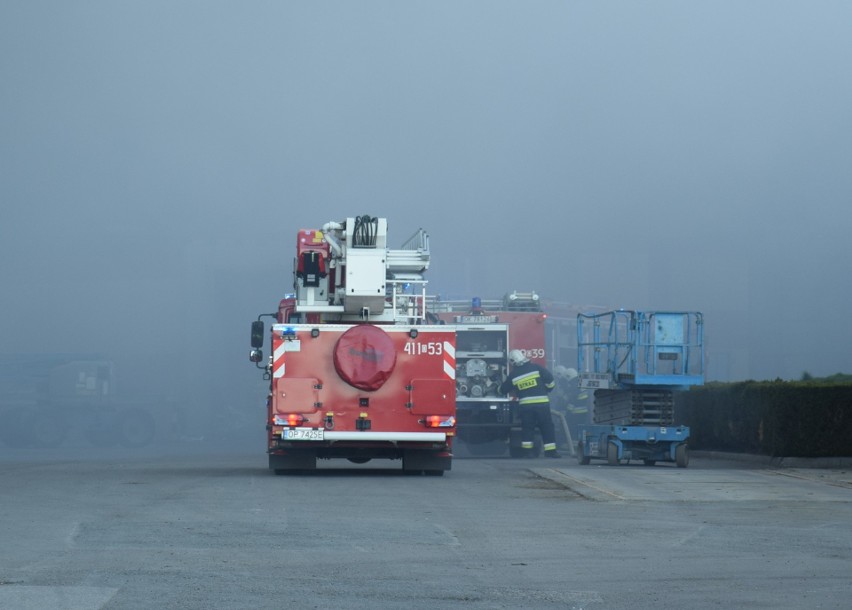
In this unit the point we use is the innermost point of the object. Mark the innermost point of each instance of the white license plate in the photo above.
(302, 434)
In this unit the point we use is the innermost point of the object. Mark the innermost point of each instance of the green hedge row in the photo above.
(778, 418)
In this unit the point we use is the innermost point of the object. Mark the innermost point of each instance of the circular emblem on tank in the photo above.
(364, 357)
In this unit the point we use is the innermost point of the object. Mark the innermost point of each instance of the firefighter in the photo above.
(571, 398)
(531, 384)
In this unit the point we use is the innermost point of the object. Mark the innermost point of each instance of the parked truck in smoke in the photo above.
(45, 398)
(355, 370)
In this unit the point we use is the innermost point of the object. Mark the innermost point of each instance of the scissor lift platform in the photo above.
(635, 361)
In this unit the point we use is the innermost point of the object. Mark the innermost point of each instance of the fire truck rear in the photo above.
(355, 371)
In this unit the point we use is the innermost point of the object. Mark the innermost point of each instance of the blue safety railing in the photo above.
(634, 348)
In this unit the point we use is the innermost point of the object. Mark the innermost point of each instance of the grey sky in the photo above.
(158, 158)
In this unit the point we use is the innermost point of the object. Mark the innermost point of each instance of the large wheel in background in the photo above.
(612, 454)
(682, 456)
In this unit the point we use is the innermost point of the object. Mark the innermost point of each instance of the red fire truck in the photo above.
(486, 330)
(355, 371)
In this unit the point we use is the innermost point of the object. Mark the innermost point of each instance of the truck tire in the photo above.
(612, 454)
(682, 456)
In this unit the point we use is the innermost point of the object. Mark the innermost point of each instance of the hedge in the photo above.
(777, 418)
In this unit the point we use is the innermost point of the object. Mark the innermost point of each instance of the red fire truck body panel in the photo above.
(414, 407)
(486, 331)
(526, 329)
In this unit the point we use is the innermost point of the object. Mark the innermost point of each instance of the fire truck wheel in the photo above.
(136, 428)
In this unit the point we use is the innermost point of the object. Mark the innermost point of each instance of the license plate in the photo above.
(302, 434)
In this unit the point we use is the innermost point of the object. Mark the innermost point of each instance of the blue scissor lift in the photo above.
(635, 361)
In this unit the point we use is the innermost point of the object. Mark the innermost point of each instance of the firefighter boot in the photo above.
(550, 451)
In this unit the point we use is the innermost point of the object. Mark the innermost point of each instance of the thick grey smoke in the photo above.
(159, 157)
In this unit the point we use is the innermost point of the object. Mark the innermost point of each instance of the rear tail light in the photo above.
(290, 419)
(440, 421)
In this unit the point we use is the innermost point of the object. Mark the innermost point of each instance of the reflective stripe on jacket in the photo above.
(530, 382)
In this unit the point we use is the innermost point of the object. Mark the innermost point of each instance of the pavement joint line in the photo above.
(574, 484)
(801, 477)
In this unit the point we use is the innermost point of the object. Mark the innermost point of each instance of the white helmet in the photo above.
(565, 373)
(517, 357)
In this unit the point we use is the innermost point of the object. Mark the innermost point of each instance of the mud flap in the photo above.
(426, 461)
(292, 461)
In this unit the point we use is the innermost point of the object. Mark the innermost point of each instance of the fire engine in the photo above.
(355, 370)
(486, 330)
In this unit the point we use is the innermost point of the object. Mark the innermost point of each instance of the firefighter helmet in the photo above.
(517, 357)
(566, 373)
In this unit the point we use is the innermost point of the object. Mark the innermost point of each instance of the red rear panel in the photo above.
(345, 373)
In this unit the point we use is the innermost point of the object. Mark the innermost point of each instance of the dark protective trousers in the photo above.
(537, 416)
